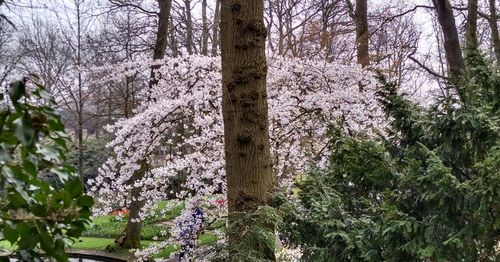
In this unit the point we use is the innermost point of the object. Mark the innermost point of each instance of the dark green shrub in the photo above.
(426, 192)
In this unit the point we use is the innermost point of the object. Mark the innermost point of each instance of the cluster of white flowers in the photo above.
(289, 254)
(181, 130)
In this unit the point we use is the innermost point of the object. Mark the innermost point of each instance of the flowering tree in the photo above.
(305, 98)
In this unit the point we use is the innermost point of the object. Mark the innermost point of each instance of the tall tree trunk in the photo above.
(99, 110)
(281, 35)
(189, 26)
(215, 28)
(204, 33)
(173, 39)
(456, 65)
(161, 41)
(132, 237)
(269, 25)
(245, 114)
(79, 106)
(494, 30)
(325, 16)
(471, 44)
(361, 20)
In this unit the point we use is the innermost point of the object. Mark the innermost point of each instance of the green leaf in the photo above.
(85, 201)
(16, 91)
(23, 228)
(8, 138)
(30, 167)
(56, 125)
(23, 130)
(39, 210)
(47, 243)
(49, 153)
(61, 173)
(60, 141)
(28, 241)
(85, 213)
(74, 187)
(10, 234)
(41, 92)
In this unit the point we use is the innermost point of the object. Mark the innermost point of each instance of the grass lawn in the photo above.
(106, 228)
(162, 214)
(111, 226)
(96, 243)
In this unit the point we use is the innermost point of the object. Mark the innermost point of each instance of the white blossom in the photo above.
(304, 96)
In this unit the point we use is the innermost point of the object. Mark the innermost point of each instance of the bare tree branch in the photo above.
(430, 71)
(125, 3)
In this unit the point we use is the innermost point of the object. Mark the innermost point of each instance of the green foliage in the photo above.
(36, 216)
(251, 236)
(426, 192)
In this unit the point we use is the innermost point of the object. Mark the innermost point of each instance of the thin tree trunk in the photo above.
(204, 33)
(97, 121)
(471, 44)
(173, 39)
(133, 231)
(215, 29)
(109, 103)
(269, 26)
(189, 27)
(289, 34)
(127, 108)
(361, 20)
(281, 36)
(494, 30)
(79, 106)
(324, 37)
(245, 114)
(456, 65)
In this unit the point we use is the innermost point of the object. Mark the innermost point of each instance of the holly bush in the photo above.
(38, 217)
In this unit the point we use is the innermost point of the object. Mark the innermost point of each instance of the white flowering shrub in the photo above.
(185, 119)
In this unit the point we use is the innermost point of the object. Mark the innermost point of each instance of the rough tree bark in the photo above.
(161, 40)
(189, 26)
(245, 112)
(325, 17)
(173, 39)
(361, 20)
(454, 58)
(471, 29)
(494, 29)
(132, 238)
